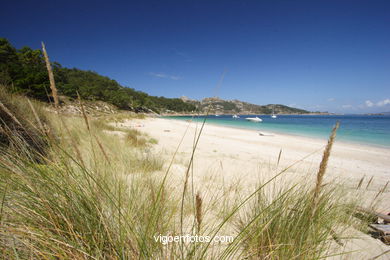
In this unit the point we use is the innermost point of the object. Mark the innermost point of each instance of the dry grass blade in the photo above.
(381, 191)
(198, 210)
(323, 165)
(36, 116)
(378, 256)
(5, 109)
(102, 149)
(83, 111)
(279, 156)
(360, 183)
(369, 182)
(51, 76)
(73, 143)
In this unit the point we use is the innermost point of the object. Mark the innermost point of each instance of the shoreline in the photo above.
(250, 114)
(245, 149)
(280, 114)
(347, 142)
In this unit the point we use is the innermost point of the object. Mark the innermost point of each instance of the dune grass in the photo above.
(95, 195)
(82, 200)
(20, 119)
(284, 226)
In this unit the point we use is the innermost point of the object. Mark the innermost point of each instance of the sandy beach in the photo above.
(246, 154)
(229, 157)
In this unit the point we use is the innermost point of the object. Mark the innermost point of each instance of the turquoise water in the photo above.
(372, 130)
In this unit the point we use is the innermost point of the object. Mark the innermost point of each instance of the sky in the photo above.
(318, 55)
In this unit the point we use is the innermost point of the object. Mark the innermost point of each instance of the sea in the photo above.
(359, 129)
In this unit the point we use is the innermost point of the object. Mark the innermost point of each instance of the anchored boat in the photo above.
(273, 112)
(254, 119)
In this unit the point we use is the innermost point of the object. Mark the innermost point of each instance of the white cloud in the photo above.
(369, 103)
(184, 55)
(331, 99)
(383, 102)
(164, 76)
(174, 77)
(346, 106)
(295, 105)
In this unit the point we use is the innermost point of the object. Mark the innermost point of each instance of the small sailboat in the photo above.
(236, 116)
(273, 112)
(254, 119)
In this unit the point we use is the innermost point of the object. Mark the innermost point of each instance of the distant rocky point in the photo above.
(378, 114)
(221, 106)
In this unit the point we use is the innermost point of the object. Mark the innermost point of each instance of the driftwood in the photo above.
(382, 228)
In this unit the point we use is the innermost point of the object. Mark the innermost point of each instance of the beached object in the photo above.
(383, 230)
(254, 119)
(265, 134)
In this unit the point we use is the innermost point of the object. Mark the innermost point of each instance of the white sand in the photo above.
(242, 151)
(240, 158)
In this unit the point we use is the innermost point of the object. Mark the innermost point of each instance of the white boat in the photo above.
(273, 113)
(254, 119)
(236, 116)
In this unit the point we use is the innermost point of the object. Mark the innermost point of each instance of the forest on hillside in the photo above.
(24, 71)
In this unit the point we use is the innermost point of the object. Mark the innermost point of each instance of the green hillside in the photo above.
(24, 71)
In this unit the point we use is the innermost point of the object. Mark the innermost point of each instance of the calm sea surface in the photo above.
(372, 130)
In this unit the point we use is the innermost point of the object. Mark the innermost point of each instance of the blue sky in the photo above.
(318, 55)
